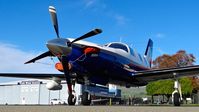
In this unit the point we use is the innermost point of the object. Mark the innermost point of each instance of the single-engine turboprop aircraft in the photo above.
(90, 64)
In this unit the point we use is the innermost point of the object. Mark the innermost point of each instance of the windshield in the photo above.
(119, 46)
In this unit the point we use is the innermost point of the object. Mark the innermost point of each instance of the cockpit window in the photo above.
(119, 46)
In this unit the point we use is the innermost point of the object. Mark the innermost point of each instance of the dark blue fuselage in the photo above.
(103, 68)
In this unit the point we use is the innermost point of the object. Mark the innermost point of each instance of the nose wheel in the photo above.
(72, 98)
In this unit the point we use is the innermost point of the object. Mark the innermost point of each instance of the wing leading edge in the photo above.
(32, 75)
(146, 76)
(170, 73)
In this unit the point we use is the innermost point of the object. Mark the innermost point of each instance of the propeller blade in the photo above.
(48, 53)
(53, 14)
(89, 34)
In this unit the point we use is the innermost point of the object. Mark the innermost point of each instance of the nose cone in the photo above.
(59, 46)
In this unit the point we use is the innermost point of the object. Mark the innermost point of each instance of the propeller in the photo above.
(48, 53)
(53, 14)
(64, 58)
(89, 34)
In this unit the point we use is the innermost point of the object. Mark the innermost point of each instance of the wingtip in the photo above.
(97, 30)
(28, 62)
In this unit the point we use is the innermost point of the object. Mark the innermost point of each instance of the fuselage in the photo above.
(114, 63)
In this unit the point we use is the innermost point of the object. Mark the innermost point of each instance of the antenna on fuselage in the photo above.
(131, 45)
(120, 39)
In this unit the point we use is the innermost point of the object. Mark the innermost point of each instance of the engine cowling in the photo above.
(54, 85)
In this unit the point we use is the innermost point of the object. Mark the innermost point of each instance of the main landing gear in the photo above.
(86, 96)
(177, 93)
(71, 95)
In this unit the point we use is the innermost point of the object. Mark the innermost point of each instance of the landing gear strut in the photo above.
(86, 96)
(177, 93)
(70, 81)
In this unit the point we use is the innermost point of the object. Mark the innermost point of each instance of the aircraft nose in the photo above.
(59, 46)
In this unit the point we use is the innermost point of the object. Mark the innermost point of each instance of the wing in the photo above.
(32, 75)
(159, 74)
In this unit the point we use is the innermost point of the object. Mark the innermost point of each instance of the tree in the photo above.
(165, 87)
(195, 84)
(180, 59)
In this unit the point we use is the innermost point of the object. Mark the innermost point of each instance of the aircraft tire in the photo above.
(71, 99)
(86, 98)
(176, 99)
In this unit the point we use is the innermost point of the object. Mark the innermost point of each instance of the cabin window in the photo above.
(119, 46)
(132, 52)
(145, 61)
(140, 57)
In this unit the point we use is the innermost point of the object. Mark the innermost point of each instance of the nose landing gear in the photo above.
(70, 81)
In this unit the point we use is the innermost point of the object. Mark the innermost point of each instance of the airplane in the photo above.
(90, 64)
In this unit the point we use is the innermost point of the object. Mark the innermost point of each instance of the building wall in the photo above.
(44, 95)
(29, 94)
(33, 94)
(9, 94)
